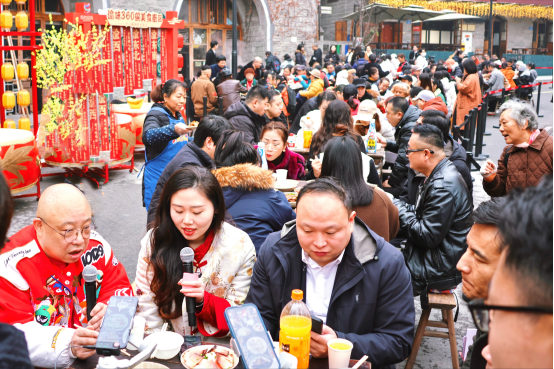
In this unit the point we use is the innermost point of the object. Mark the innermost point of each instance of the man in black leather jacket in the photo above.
(436, 227)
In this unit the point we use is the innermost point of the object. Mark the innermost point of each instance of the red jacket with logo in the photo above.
(34, 288)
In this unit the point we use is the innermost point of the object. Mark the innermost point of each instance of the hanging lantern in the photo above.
(23, 70)
(8, 123)
(24, 123)
(21, 21)
(5, 2)
(23, 98)
(8, 100)
(6, 20)
(7, 71)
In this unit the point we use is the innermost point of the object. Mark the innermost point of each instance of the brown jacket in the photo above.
(526, 166)
(469, 96)
(381, 216)
(509, 74)
(200, 88)
(230, 91)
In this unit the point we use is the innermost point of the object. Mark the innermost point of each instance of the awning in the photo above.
(382, 12)
(450, 16)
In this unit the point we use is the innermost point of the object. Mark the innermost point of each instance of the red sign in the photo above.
(117, 58)
(154, 54)
(137, 59)
(93, 124)
(84, 152)
(163, 55)
(103, 119)
(115, 141)
(128, 54)
(147, 53)
(107, 69)
(416, 29)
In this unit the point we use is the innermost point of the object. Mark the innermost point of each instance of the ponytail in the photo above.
(353, 105)
(167, 88)
(156, 95)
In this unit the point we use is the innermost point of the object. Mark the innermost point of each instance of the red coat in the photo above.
(33, 287)
(435, 104)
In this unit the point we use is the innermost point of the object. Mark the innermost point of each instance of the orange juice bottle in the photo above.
(296, 324)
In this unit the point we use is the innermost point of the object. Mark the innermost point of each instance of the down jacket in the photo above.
(242, 118)
(254, 206)
(402, 135)
(315, 88)
(469, 97)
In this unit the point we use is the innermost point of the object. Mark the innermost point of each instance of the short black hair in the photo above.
(232, 150)
(273, 93)
(325, 96)
(286, 57)
(488, 212)
(430, 135)
(381, 80)
(329, 63)
(259, 93)
(326, 186)
(373, 70)
(213, 43)
(267, 53)
(526, 228)
(469, 66)
(372, 57)
(399, 104)
(206, 67)
(437, 119)
(414, 91)
(210, 126)
(268, 73)
(220, 58)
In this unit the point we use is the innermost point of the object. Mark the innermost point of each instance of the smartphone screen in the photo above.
(248, 329)
(117, 323)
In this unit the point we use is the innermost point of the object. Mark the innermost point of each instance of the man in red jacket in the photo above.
(41, 280)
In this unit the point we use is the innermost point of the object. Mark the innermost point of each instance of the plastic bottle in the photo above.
(296, 324)
(261, 150)
(371, 138)
(291, 141)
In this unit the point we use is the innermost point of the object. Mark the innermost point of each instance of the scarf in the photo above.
(531, 139)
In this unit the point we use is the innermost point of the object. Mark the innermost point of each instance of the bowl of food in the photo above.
(169, 344)
(286, 186)
(291, 198)
(209, 356)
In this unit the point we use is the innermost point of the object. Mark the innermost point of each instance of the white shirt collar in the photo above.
(312, 264)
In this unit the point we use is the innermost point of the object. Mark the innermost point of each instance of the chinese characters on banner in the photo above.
(163, 55)
(115, 152)
(154, 55)
(117, 58)
(107, 69)
(147, 53)
(134, 18)
(93, 124)
(128, 55)
(103, 119)
(137, 58)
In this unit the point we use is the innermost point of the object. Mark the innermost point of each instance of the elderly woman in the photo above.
(528, 155)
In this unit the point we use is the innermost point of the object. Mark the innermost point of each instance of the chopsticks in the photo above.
(153, 356)
(360, 362)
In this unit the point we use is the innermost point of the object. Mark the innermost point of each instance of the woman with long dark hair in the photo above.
(191, 213)
(469, 92)
(300, 55)
(332, 55)
(343, 161)
(425, 82)
(349, 95)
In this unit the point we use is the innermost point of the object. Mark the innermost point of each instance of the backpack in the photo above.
(276, 65)
(291, 106)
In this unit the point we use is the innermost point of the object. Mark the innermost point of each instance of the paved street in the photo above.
(120, 218)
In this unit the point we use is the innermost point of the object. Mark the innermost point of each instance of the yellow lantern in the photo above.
(8, 123)
(21, 21)
(7, 71)
(23, 70)
(23, 98)
(24, 123)
(8, 100)
(5, 2)
(6, 21)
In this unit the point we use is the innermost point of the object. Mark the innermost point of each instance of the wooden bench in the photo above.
(446, 302)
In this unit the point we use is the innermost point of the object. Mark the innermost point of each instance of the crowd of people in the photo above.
(359, 247)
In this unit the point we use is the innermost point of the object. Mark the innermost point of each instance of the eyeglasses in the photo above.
(408, 152)
(267, 144)
(71, 234)
(481, 312)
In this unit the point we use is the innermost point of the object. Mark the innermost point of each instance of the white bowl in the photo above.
(169, 344)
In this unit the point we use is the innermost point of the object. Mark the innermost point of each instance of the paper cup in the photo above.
(339, 357)
(281, 175)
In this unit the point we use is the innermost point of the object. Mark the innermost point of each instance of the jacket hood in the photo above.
(411, 116)
(364, 244)
(458, 152)
(240, 108)
(245, 176)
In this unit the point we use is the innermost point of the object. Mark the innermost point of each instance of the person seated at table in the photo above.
(229, 89)
(41, 283)
(342, 162)
(248, 115)
(352, 279)
(527, 156)
(436, 226)
(249, 81)
(250, 198)
(320, 102)
(204, 87)
(274, 136)
(509, 73)
(363, 94)
(314, 89)
(350, 96)
(163, 125)
(336, 116)
(191, 213)
(368, 111)
(274, 111)
(401, 89)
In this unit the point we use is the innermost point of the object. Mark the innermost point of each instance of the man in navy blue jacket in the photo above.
(352, 279)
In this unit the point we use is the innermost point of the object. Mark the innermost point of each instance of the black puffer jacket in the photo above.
(436, 229)
(242, 118)
(300, 58)
(402, 135)
(309, 105)
(156, 119)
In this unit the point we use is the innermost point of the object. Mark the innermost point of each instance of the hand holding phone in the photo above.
(317, 325)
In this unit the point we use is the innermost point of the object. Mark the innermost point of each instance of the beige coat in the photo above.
(469, 97)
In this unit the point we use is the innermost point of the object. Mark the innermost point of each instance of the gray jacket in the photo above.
(495, 82)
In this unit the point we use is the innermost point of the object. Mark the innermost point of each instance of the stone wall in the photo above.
(519, 34)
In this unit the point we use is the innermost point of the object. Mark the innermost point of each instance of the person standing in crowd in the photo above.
(250, 198)
(248, 115)
(163, 125)
(274, 136)
(274, 111)
(414, 53)
(454, 70)
(521, 337)
(402, 63)
(210, 55)
(524, 78)
(527, 156)
(358, 66)
(249, 81)
(269, 61)
(494, 81)
(41, 281)
(317, 57)
(403, 117)
(204, 87)
(373, 64)
(469, 92)
(199, 152)
(229, 89)
(343, 162)
(191, 213)
(256, 66)
(300, 55)
(436, 226)
(332, 55)
(287, 62)
(416, 71)
(320, 245)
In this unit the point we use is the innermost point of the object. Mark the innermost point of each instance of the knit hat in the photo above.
(249, 70)
(316, 73)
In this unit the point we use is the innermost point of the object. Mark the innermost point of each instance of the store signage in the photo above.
(134, 18)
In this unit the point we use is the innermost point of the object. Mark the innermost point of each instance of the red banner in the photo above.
(103, 120)
(137, 53)
(147, 53)
(68, 97)
(107, 69)
(154, 56)
(128, 55)
(117, 58)
(163, 55)
(84, 149)
(93, 124)
(81, 82)
(115, 141)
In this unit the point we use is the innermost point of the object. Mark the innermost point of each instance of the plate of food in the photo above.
(286, 186)
(193, 125)
(209, 356)
(291, 198)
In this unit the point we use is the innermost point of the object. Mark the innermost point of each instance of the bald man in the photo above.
(41, 285)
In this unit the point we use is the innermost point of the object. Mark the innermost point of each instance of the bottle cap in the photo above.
(297, 294)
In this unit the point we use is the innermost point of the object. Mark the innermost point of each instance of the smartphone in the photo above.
(116, 326)
(254, 343)
(317, 325)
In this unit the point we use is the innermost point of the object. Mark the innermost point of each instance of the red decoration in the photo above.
(107, 69)
(93, 123)
(137, 53)
(117, 58)
(128, 54)
(163, 55)
(103, 119)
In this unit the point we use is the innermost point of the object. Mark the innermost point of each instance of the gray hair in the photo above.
(521, 112)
